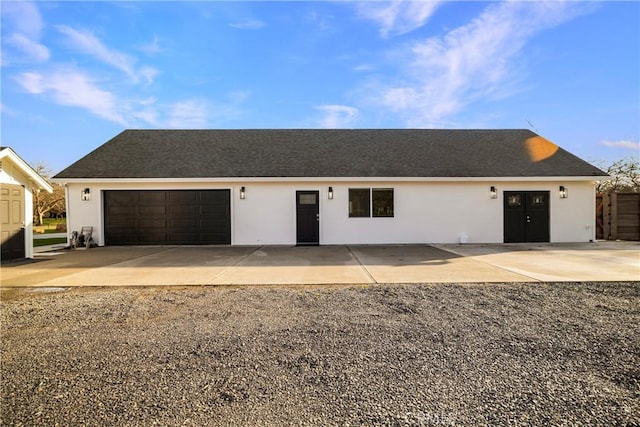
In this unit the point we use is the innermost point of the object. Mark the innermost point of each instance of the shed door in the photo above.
(167, 217)
(12, 221)
(307, 218)
(526, 216)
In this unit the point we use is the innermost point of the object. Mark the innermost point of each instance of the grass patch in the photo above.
(51, 225)
(51, 241)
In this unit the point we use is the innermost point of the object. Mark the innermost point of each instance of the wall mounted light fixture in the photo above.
(563, 192)
(86, 194)
(243, 193)
(493, 192)
(330, 193)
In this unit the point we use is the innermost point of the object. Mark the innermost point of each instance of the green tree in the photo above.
(44, 202)
(625, 176)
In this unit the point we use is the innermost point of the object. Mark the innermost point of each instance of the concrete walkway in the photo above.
(285, 265)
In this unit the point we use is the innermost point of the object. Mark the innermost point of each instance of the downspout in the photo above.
(66, 209)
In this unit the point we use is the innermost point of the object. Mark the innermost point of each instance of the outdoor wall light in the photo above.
(86, 194)
(563, 191)
(330, 193)
(243, 193)
(493, 192)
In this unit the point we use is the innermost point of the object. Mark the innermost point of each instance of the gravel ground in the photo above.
(418, 355)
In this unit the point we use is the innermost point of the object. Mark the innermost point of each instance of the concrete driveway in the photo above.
(285, 265)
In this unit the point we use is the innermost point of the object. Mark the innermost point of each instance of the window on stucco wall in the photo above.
(367, 202)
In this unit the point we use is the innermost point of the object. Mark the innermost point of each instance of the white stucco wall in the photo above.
(425, 212)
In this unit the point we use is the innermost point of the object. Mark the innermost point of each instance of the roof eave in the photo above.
(331, 179)
(25, 168)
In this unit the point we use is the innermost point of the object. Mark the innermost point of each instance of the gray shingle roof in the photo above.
(338, 153)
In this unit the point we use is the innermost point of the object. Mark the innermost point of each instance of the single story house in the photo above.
(331, 186)
(18, 183)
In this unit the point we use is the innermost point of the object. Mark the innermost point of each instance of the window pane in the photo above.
(307, 199)
(382, 202)
(537, 199)
(359, 202)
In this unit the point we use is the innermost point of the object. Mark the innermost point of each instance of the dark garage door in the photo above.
(171, 217)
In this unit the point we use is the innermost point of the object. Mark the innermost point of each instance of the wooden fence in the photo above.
(618, 216)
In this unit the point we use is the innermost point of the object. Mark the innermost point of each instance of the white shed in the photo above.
(18, 182)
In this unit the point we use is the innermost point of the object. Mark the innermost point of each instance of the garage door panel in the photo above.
(183, 238)
(212, 210)
(153, 223)
(183, 224)
(167, 217)
(158, 238)
(184, 197)
(159, 210)
(213, 224)
(152, 197)
(123, 196)
(122, 210)
(183, 211)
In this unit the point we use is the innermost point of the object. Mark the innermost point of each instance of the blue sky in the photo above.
(75, 74)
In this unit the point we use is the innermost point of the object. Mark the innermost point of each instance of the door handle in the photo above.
(528, 218)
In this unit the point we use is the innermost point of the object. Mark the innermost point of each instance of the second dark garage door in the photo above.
(167, 217)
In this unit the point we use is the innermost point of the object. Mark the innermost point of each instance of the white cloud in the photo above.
(363, 67)
(22, 17)
(151, 48)
(149, 116)
(149, 74)
(631, 145)
(398, 16)
(189, 114)
(250, 24)
(34, 50)
(23, 21)
(72, 88)
(469, 63)
(89, 44)
(338, 116)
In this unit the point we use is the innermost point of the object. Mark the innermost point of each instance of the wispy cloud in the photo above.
(22, 17)
(631, 145)
(363, 67)
(338, 116)
(152, 47)
(249, 24)
(398, 16)
(189, 114)
(23, 21)
(148, 73)
(87, 43)
(72, 88)
(471, 62)
(34, 50)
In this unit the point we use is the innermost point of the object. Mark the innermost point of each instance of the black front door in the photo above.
(526, 216)
(307, 218)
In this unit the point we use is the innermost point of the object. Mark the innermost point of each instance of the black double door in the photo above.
(526, 216)
(307, 218)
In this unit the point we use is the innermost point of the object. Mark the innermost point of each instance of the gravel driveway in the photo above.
(419, 355)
